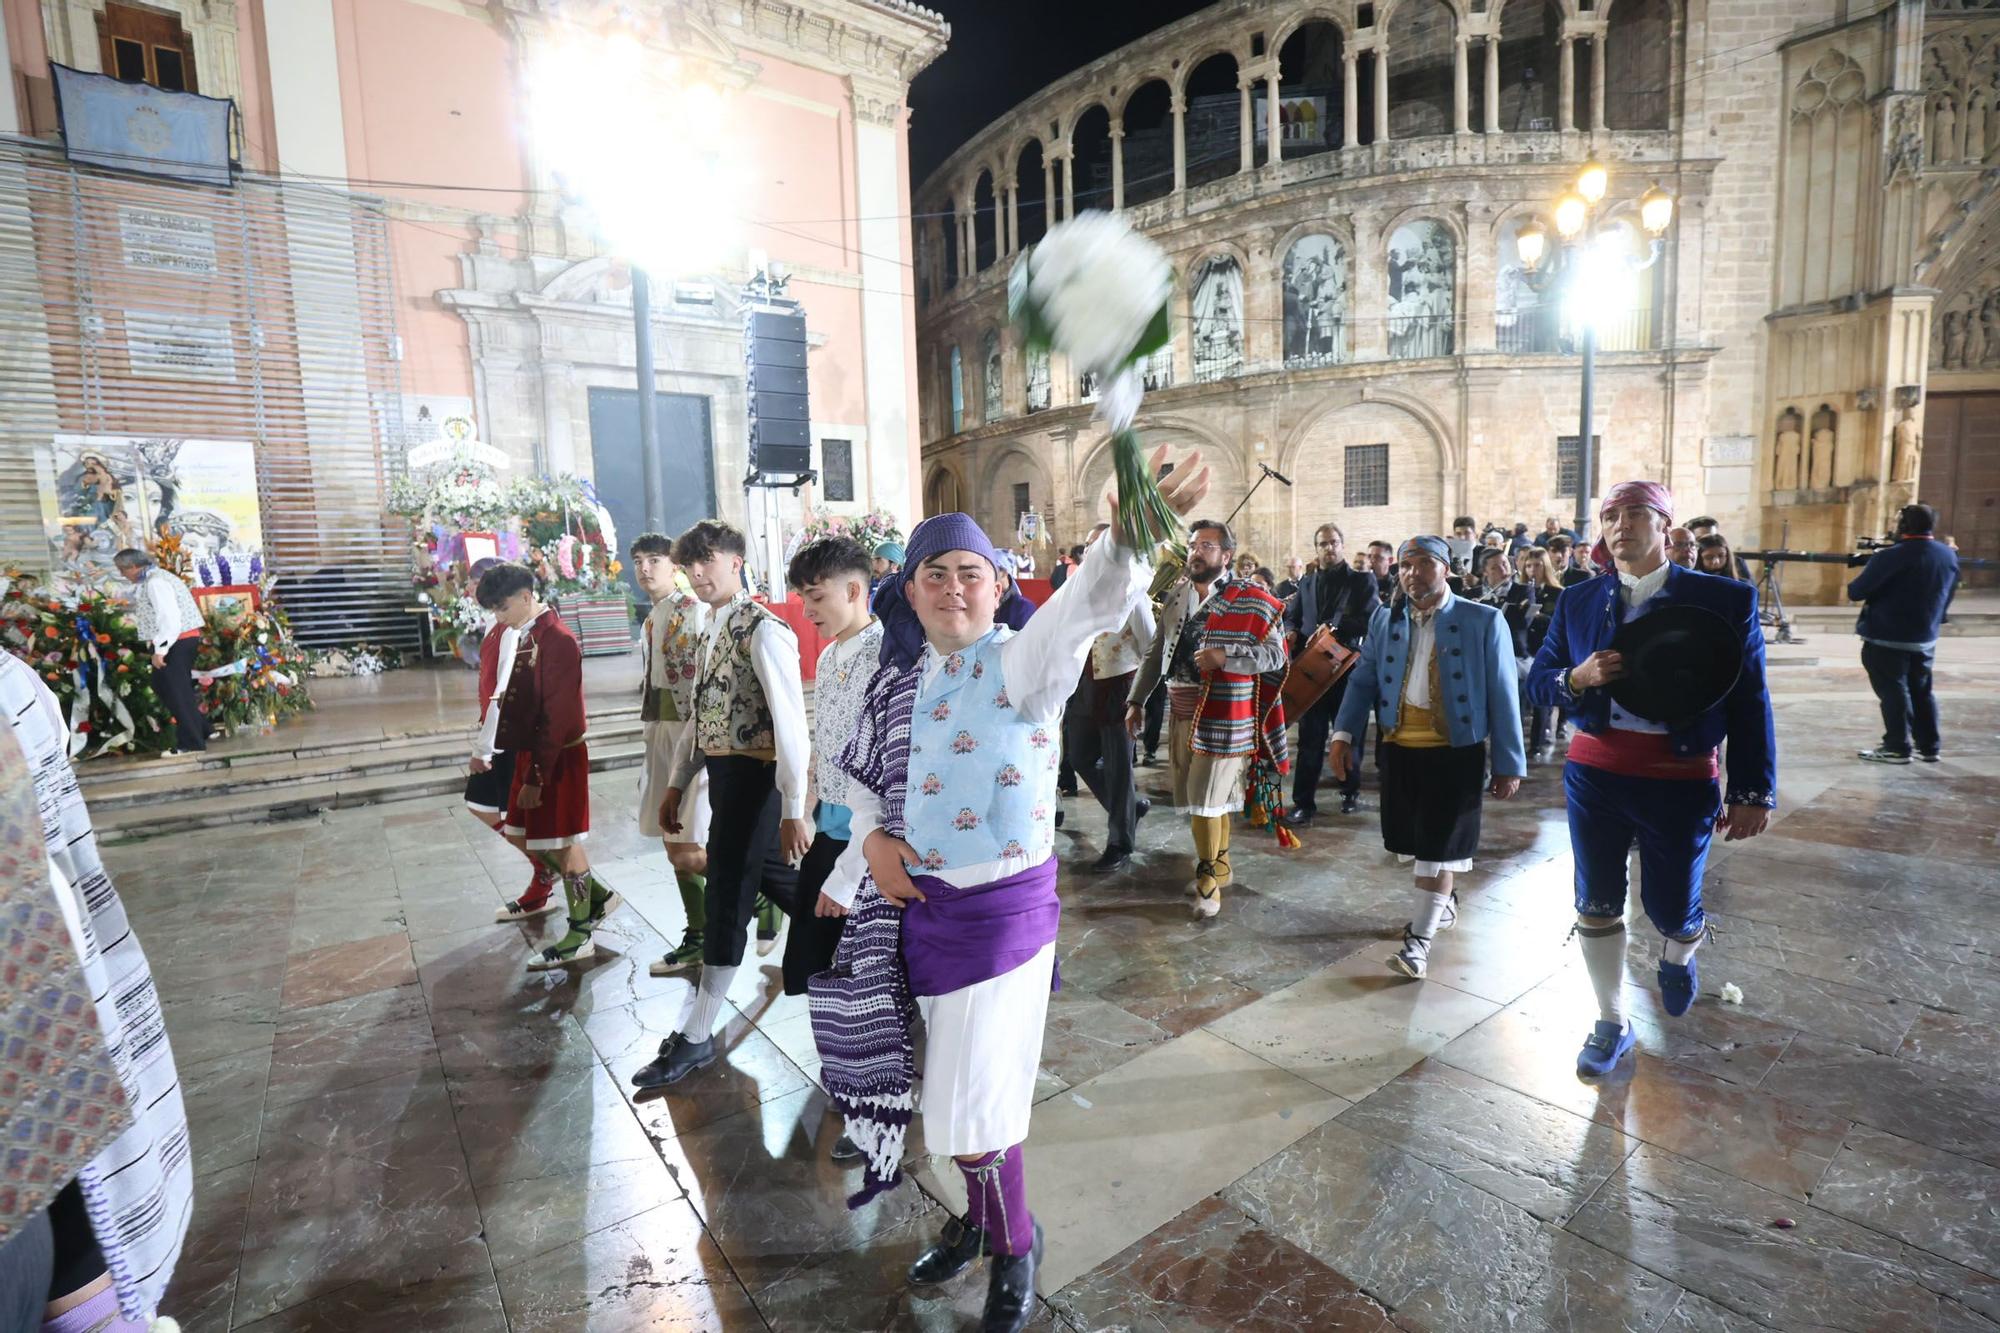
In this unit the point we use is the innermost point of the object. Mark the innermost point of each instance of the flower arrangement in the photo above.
(466, 496)
(361, 659)
(870, 530)
(568, 537)
(1099, 292)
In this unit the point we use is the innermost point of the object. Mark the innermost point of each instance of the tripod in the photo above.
(1771, 596)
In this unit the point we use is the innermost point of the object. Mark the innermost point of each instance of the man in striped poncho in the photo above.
(1213, 648)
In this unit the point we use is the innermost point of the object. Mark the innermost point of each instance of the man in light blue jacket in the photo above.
(1439, 673)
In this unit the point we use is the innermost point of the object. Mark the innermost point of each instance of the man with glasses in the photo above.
(1215, 638)
(1680, 547)
(1334, 594)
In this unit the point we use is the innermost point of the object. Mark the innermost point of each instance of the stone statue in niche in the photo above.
(1785, 472)
(1975, 126)
(1819, 457)
(1908, 453)
(1944, 126)
(1951, 338)
(1989, 332)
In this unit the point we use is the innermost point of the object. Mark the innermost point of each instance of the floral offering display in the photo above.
(567, 535)
(465, 496)
(870, 530)
(361, 659)
(1099, 292)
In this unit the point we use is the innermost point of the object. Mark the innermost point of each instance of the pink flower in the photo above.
(1040, 738)
(954, 664)
(978, 670)
(1013, 848)
(1000, 700)
(933, 859)
(1009, 776)
(933, 784)
(942, 711)
(966, 820)
(1040, 814)
(964, 743)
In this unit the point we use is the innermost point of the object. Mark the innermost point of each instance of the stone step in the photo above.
(270, 773)
(343, 790)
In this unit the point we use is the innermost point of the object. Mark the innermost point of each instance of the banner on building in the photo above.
(137, 127)
(104, 493)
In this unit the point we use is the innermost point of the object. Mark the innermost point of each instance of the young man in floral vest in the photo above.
(1211, 648)
(670, 649)
(750, 739)
(953, 795)
(542, 722)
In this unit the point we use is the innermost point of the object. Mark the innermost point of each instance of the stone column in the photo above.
(1273, 124)
(1492, 86)
(1179, 107)
(1246, 138)
(968, 236)
(1013, 214)
(1069, 182)
(1566, 86)
(1382, 92)
(1117, 166)
(1350, 110)
(1050, 212)
(1461, 85)
(558, 441)
(1597, 82)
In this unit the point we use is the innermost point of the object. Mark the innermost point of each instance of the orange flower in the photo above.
(49, 631)
(104, 638)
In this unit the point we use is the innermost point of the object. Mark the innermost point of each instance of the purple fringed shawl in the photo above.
(862, 1010)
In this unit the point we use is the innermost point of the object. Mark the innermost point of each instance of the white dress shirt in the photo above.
(489, 725)
(1423, 647)
(1634, 592)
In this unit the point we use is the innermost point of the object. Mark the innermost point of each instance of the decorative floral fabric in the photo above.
(731, 714)
(673, 658)
(981, 776)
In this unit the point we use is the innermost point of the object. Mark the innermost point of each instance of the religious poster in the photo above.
(104, 493)
(1524, 319)
(1422, 268)
(1315, 284)
(1218, 320)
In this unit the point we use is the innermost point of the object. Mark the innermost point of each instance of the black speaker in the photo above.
(774, 354)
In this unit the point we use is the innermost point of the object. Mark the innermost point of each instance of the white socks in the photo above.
(1427, 912)
(706, 1007)
(1678, 952)
(1604, 959)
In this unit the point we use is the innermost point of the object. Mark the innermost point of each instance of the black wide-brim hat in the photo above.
(1680, 661)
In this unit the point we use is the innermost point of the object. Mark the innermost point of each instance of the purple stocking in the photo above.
(996, 1192)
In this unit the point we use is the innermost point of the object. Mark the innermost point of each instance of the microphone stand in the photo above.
(1264, 475)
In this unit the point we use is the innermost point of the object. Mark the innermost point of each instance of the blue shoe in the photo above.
(1677, 987)
(1603, 1049)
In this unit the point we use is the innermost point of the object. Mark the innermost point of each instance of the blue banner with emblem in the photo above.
(136, 127)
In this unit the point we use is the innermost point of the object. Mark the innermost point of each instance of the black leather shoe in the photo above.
(1059, 819)
(1299, 818)
(1061, 790)
(1010, 1291)
(1144, 808)
(678, 1058)
(1349, 803)
(845, 1150)
(1110, 861)
(952, 1255)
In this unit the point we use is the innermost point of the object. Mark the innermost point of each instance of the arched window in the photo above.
(1218, 319)
(957, 392)
(1031, 203)
(951, 247)
(1148, 146)
(1637, 66)
(1315, 282)
(1420, 69)
(991, 374)
(1039, 385)
(1422, 268)
(1211, 125)
(1090, 160)
(1309, 94)
(985, 220)
(1530, 64)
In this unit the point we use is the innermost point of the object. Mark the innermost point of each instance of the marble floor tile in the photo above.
(517, 1128)
(1086, 1036)
(1916, 1101)
(658, 1270)
(1123, 1153)
(350, 1041)
(1541, 1158)
(534, 1213)
(206, 1029)
(772, 1201)
(1967, 1046)
(1932, 1199)
(341, 971)
(1177, 995)
(1214, 1268)
(1352, 1027)
(751, 1070)
(1837, 1010)
(1494, 955)
(1441, 1253)
(1714, 1235)
(1779, 1143)
(460, 1303)
(204, 1283)
(1698, 1314)
(224, 1098)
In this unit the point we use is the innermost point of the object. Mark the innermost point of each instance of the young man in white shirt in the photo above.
(750, 739)
(171, 624)
(671, 652)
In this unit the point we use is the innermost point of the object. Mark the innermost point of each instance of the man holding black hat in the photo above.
(1439, 672)
(1904, 591)
(1652, 703)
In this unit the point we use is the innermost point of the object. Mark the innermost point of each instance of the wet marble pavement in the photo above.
(1242, 1124)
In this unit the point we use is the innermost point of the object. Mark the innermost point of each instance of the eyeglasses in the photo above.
(1205, 546)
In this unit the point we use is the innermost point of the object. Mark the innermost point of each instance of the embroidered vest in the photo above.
(146, 622)
(1417, 728)
(673, 660)
(982, 782)
(731, 714)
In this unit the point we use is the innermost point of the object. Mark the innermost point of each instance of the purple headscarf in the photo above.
(902, 632)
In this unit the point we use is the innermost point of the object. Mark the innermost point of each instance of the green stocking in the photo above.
(577, 894)
(694, 898)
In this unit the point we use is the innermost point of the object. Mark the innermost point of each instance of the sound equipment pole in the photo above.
(651, 471)
(1261, 477)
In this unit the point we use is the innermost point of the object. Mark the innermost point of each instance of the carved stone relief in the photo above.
(1961, 99)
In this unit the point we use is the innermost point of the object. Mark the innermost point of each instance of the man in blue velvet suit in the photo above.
(1439, 672)
(1631, 779)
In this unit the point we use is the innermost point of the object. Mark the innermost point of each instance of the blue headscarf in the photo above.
(902, 632)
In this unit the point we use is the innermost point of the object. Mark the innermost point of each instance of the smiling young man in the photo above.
(750, 739)
(670, 660)
(542, 723)
(954, 766)
(1636, 780)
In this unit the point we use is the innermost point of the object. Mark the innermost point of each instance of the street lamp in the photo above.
(636, 138)
(1592, 255)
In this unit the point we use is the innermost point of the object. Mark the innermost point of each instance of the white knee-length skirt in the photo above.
(657, 775)
(983, 1046)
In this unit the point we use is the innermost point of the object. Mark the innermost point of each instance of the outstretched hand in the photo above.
(1183, 488)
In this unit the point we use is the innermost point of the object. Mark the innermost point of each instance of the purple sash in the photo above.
(961, 937)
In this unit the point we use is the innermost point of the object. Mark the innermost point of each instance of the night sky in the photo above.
(1004, 50)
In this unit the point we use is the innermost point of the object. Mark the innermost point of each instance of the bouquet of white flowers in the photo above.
(1099, 292)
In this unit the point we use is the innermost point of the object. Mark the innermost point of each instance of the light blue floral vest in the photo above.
(982, 777)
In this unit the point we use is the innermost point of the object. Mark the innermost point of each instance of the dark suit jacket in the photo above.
(1351, 600)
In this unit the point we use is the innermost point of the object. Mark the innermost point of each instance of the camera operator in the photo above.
(1905, 588)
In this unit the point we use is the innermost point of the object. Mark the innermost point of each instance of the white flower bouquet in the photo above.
(1099, 292)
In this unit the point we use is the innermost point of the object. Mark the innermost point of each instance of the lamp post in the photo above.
(1592, 255)
(636, 139)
